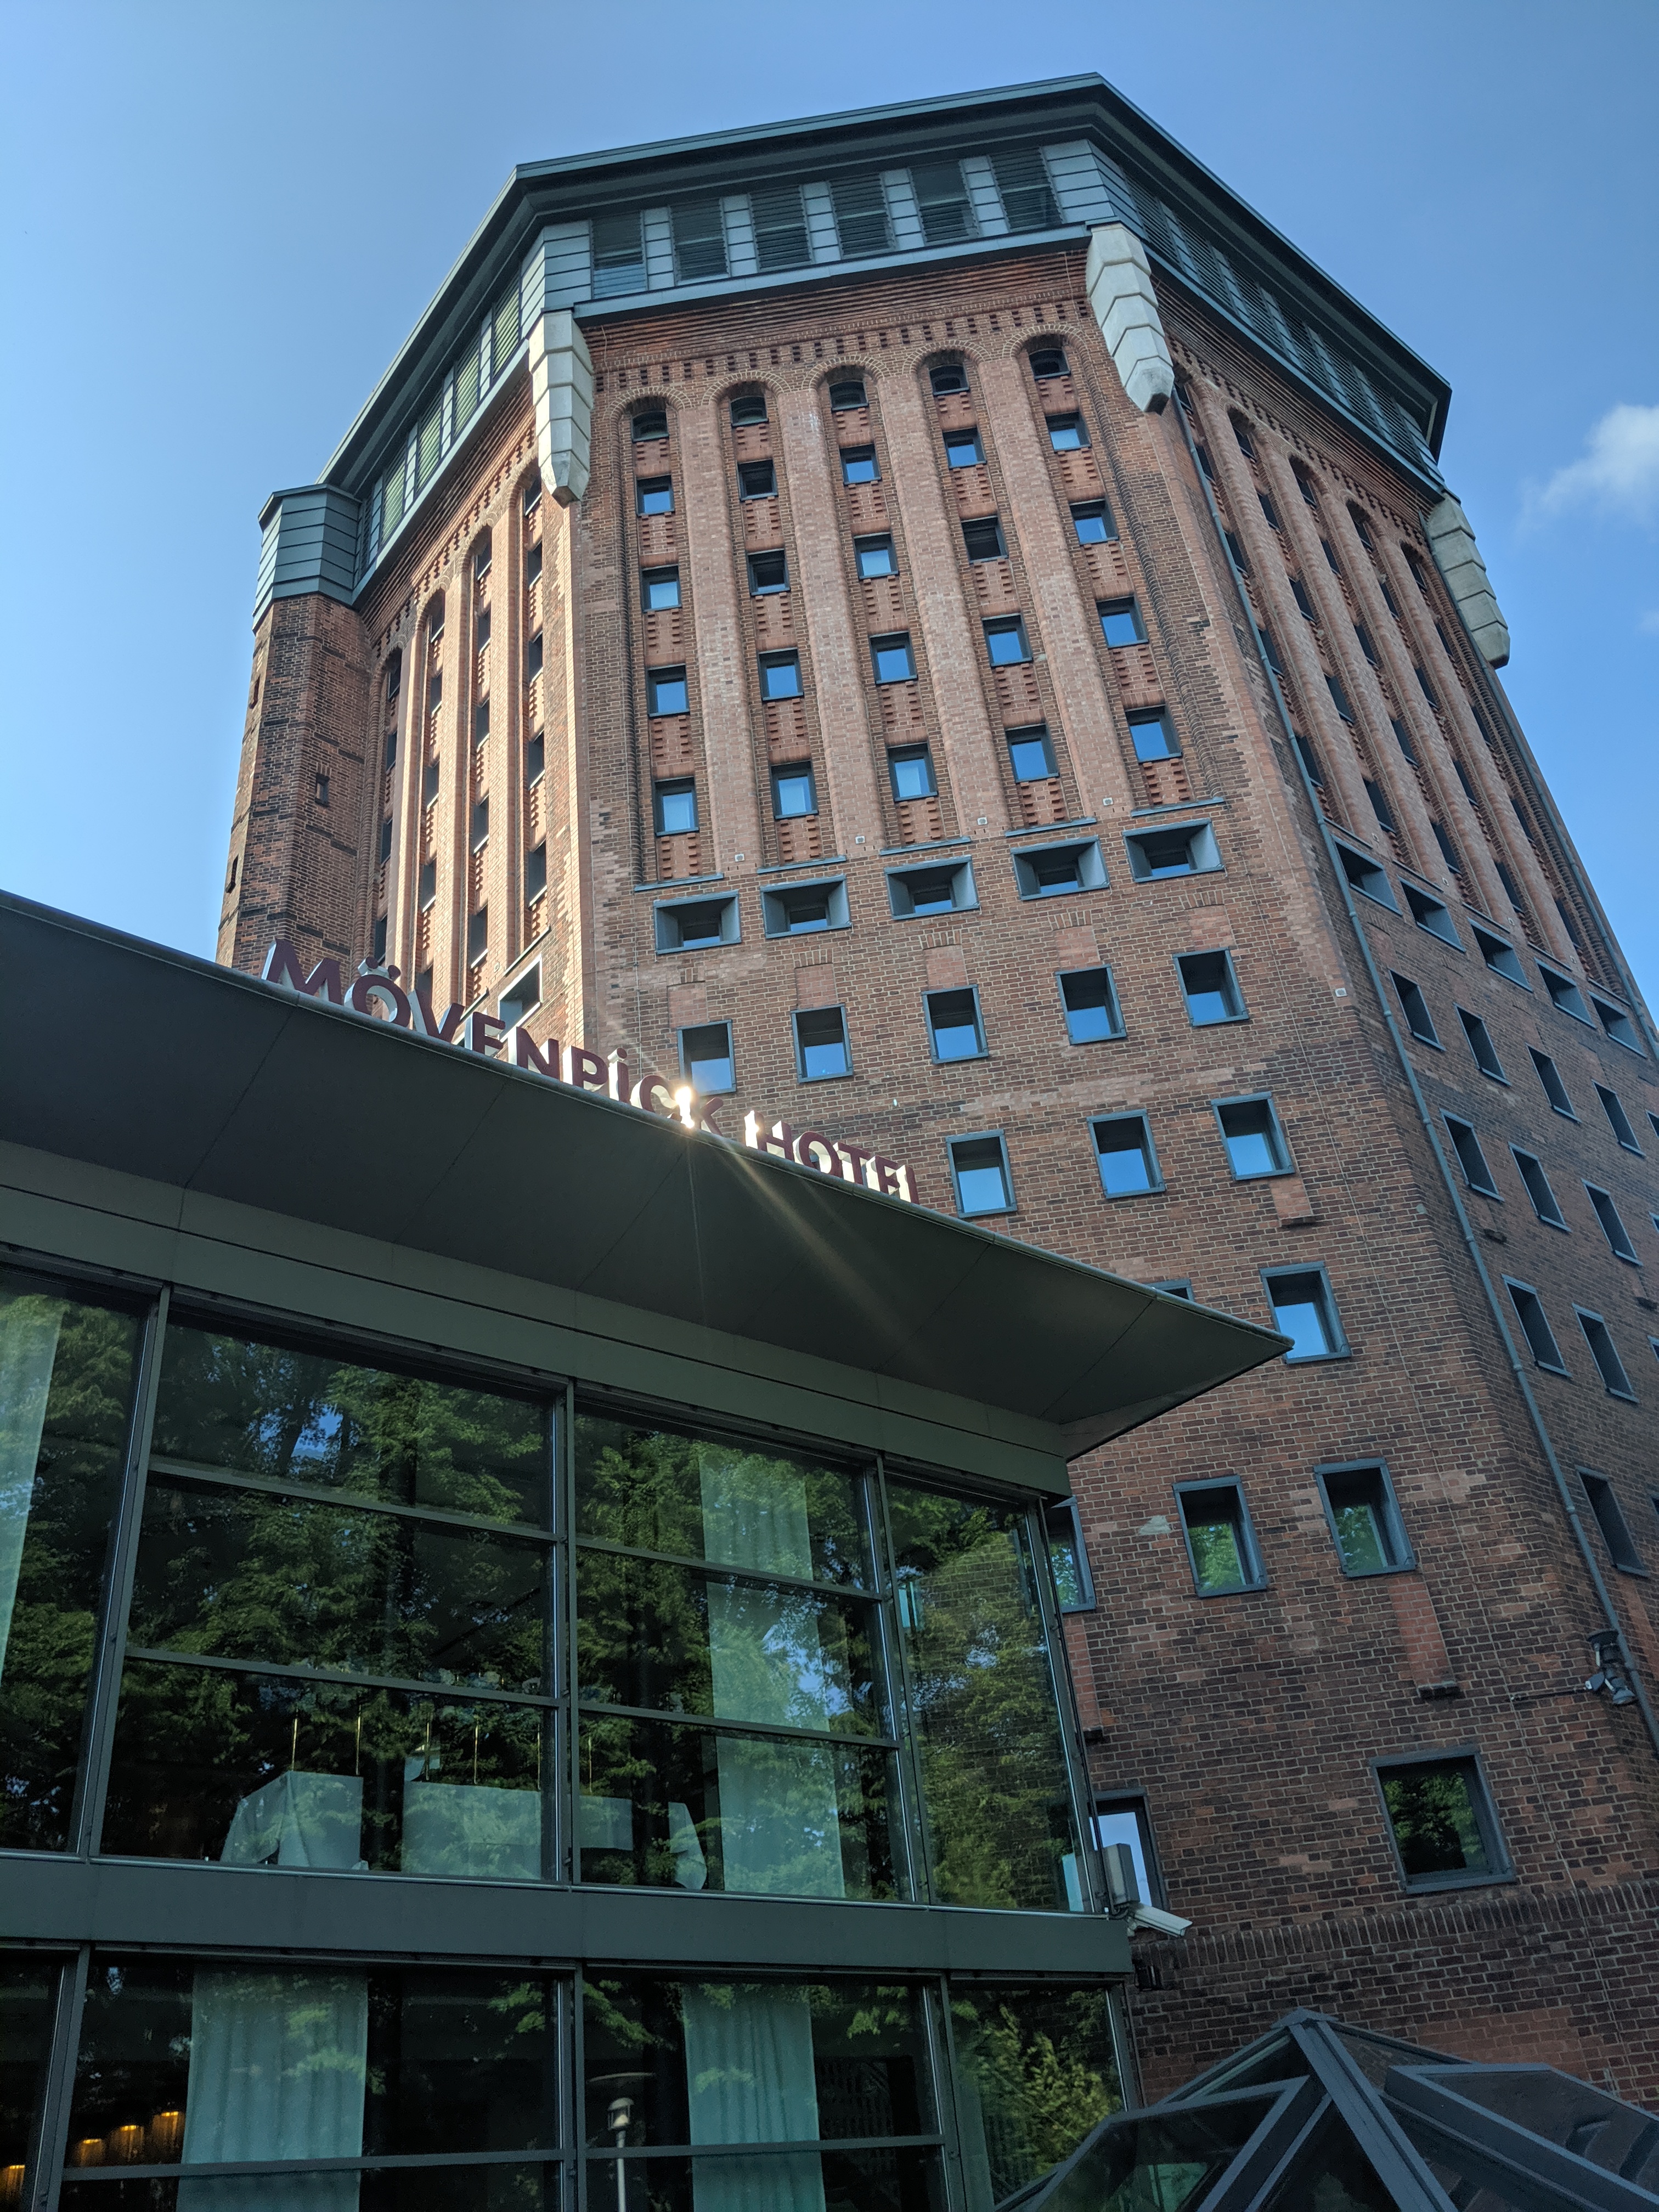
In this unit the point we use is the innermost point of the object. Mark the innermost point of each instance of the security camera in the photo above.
(1152, 1915)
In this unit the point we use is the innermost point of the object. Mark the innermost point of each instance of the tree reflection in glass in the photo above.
(1037, 2069)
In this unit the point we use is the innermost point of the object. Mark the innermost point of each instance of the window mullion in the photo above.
(1065, 1693)
(49, 2137)
(567, 1815)
(906, 1760)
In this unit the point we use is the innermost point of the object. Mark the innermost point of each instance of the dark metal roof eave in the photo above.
(233, 1089)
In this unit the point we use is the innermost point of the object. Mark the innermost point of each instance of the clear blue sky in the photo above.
(220, 220)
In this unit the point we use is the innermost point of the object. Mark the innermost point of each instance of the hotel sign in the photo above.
(377, 994)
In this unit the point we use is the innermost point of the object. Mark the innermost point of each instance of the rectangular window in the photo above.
(1269, 511)
(1255, 1140)
(535, 871)
(1121, 622)
(1270, 650)
(1432, 914)
(660, 590)
(1605, 1354)
(821, 1048)
(1315, 774)
(524, 995)
(649, 424)
(1299, 594)
(963, 449)
(1365, 1518)
(1331, 560)
(873, 556)
(1550, 1077)
(1235, 551)
(1610, 1520)
(654, 495)
(847, 395)
(1126, 1155)
(1123, 1826)
(1367, 643)
(480, 721)
(1535, 1326)
(982, 538)
(1209, 989)
(1470, 1157)
(1500, 957)
(1005, 643)
(779, 676)
(480, 823)
(803, 909)
(1480, 1044)
(428, 892)
(1441, 1822)
(1618, 1119)
(1381, 806)
(1059, 870)
(429, 783)
(1339, 698)
(749, 410)
(1090, 999)
(1612, 1227)
(1074, 1589)
(858, 465)
(1152, 735)
(954, 1027)
(1220, 1542)
(1618, 1025)
(1415, 1007)
(1304, 1310)
(1190, 850)
(757, 480)
(477, 936)
(1564, 994)
(943, 889)
(1402, 739)
(1047, 362)
(666, 691)
(1030, 755)
(781, 234)
(861, 218)
(322, 788)
(1067, 433)
(532, 658)
(1093, 522)
(1531, 1170)
(676, 808)
(690, 924)
(706, 1057)
(1448, 850)
(793, 793)
(912, 773)
(979, 1172)
(535, 759)
(386, 842)
(946, 214)
(892, 659)
(1177, 1287)
(1426, 688)
(768, 573)
(618, 255)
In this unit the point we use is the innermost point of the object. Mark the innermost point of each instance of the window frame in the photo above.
(1028, 733)
(1492, 947)
(1611, 1018)
(868, 542)
(795, 772)
(1425, 907)
(1406, 1561)
(1513, 1285)
(1594, 1192)
(1218, 952)
(1454, 1122)
(923, 752)
(644, 488)
(801, 1075)
(655, 678)
(766, 662)
(1148, 1152)
(1473, 1023)
(758, 591)
(1519, 1154)
(1007, 626)
(1617, 1121)
(1089, 510)
(890, 641)
(690, 1028)
(1586, 1315)
(1500, 1869)
(981, 1137)
(1024, 876)
(662, 910)
(966, 434)
(1134, 1802)
(675, 787)
(959, 870)
(1113, 1035)
(1106, 610)
(1363, 874)
(1254, 1099)
(773, 896)
(1203, 851)
(1067, 1507)
(1402, 984)
(746, 469)
(1619, 1538)
(1341, 1347)
(860, 454)
(1541, 1060)
(1561, 990)
(953, 991)
(1249, 1551)
(1153, 717)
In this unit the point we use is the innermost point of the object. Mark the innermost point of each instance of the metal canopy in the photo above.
(134, 1058)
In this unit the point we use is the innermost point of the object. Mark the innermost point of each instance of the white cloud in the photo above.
(1618, 473)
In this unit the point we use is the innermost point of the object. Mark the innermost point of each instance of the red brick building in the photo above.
(768, 623)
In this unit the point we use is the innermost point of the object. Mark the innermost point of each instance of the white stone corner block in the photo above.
(562, 384)
(1122, 300)
(1459, 560)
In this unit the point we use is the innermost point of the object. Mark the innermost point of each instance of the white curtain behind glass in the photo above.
(780, 1829)
(749, 2079)
(28, 1346)
(277, 2067)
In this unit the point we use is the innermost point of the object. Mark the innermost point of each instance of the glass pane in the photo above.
(985, 1711)
(503, 2188)
(1036, 2070)
(66, 1377)
(1166, 2164)
(247, 1576)
(1218, 1559)
(305, 1417)
(261, 1770)
(1432, 1812)
(805, 2181)
(752, 2062)
(701, 1497)
(666, 1806)
(1299, 1313)
(27, 1989)
(1358, 1536)
(670, 1640)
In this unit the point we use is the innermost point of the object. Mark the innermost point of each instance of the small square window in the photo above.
(1152, 736)
(747, 410)
(953, 1024)
(1189, 849)
(428, 892)
(1126, 1155)
(1090, 999)
(429, 783)
(1177, 1287)
(1255, 1142)
(949, 376)
(821, 1048)
(1221, 1542)
(963, 449)
(943, 889)
(892, 659)
(1415, 1007)
(676, 808)
(983, 540)
(480, 721)
(1074, 1589)
(1535, 1326)
(1093, 522)
(1618, 1119)
(667, 691)
(1006, 645)
(1564, 993)
(655, 496)
(1121, 622)
(1048, 361)
(848, 394)
(779, 676)
(1613, 1228)
(477, 936)
(858, 465)
(1605, 1354)
(650, 422)
(690, 925)
(874, 557)
(1550, 1077)
(1364, 1519)
(480, 824)
(1470, 1157)
(1067, 433)
(1500, 957)
(912, 773)
(1304, 1310)
(1059, 870)
(1480, 1044)
(805, 909)
(757, 480)
(1210, 987)
(979, 1171)
(535, 759)
(1618, 1025)
(1531, 1170)
(1030, 755)
(1610, 1520)
(1432, 914)
(522, 996)
(706, 1057)
(1124, 1832)
(1369, 880)
(793, 793)
(768, 573)
(1441, 1823)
